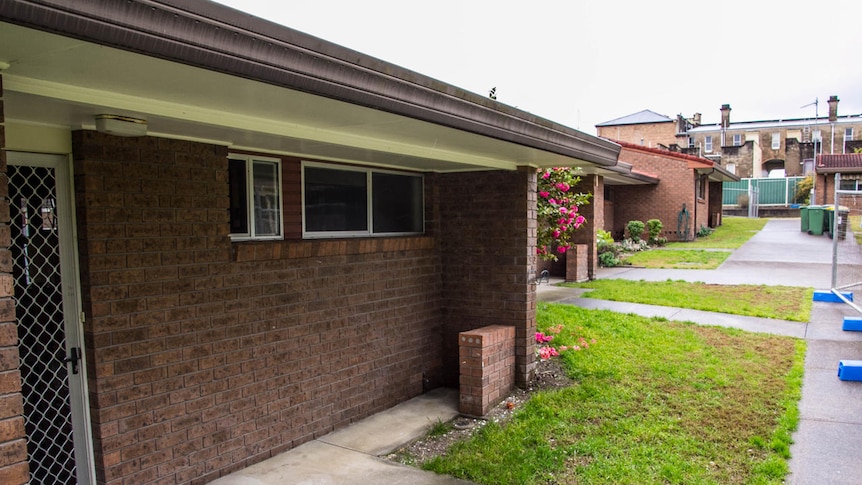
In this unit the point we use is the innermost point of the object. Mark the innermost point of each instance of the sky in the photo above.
(580, 63)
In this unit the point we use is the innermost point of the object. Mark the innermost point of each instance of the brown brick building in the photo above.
(849, 166)
(644, 128)
(749, 149)
(223, 238)
(686, 197)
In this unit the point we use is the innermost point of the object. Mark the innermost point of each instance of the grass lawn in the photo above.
(733, 233)
(677, 258)
(653, 401)
(781, 302)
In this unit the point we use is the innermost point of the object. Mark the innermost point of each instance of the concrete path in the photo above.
(351, 456)
(826, 446)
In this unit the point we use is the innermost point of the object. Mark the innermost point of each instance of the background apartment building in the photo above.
(749, 149)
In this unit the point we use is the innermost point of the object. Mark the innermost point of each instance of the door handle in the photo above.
(73, 358)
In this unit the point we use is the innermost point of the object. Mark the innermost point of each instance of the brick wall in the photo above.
(207, 356)
(14, 469)
(663, 201)
(824, 193)
(649, 134)
(487, 368)
(488, 251)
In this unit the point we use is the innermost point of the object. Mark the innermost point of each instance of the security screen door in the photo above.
(50, 333)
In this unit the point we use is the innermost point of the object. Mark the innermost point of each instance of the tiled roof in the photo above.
(849, 162)
(645, 116)
(658, 151)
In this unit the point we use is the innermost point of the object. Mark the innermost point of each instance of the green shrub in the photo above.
(609, 259)
(636, 229)
(654, 227)
(604, 241)
(704, 231)
(803, 190)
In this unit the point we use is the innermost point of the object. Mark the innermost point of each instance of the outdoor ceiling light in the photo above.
(121, 125)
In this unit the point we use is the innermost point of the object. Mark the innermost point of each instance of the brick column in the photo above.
(14, 469)
(487, 223)
(487, 357)
(577, 263)
(594, 213)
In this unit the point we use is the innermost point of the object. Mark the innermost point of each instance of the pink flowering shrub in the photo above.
(557, 211)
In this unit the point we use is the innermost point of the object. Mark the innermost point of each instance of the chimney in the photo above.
(695, 120)
(833, 108)
(725, 115)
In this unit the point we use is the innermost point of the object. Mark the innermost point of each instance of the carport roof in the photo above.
(199, 70)
(842, 163)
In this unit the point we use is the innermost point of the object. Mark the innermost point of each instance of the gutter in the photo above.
(217, 38)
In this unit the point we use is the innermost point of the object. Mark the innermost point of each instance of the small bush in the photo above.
(704, 231)
(654, 227)
(803, 190)
(609, 259)
(742, 201)
(636, 229)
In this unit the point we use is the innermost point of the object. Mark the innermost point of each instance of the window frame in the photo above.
(702, 184)
(251, 234)
(707, 144)
(369, 202)
(776, 141)
(737, 139)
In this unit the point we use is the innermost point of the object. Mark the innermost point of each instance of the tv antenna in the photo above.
(816, 104)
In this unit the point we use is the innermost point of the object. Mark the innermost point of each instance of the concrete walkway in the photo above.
(826, 445)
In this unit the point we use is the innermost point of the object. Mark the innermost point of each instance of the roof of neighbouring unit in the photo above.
(844, 163)
(641, 117)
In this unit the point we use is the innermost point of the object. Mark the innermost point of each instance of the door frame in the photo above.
(72, 314)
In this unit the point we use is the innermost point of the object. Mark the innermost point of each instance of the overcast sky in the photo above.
(580, 63)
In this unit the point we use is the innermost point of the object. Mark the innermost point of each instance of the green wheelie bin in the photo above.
(803, 215)
(816, 219)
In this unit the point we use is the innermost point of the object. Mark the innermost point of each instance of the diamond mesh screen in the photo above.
(41, 332)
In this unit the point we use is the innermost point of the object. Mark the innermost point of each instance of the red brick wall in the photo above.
(487, 368)
(824, 193)
(662, 201)
(14, 469)
(651, 134)
(488, 251)
(207, 356)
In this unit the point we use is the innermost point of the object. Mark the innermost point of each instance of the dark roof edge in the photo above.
(611, 123)
(217, 38)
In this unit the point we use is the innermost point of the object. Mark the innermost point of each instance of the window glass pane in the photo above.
(335, 200)
(267, 206)
(238, 197)
(397, 203)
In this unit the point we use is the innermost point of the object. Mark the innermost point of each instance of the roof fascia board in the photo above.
(198, 34)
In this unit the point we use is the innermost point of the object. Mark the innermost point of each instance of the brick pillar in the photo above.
(487, 223)
(577, 263)
(487, 368)
(594, 213)
(14, 469)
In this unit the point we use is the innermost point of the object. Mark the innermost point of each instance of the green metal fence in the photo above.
(771, 191)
